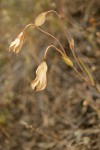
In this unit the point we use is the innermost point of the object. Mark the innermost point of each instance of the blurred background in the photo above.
(53, 119)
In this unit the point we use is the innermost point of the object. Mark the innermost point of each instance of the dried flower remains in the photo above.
(40, 81)
(17, 44)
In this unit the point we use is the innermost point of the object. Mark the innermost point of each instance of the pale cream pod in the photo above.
(40, 81)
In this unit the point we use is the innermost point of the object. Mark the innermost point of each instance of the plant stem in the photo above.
(64, 30)
(31, 24)
(77, 60)
(45, 55)
(63, 27)
(53, 38)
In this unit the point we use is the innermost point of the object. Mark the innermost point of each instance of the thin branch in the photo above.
(45, 55)
(61, 23)
(53, 38)
(74, 55)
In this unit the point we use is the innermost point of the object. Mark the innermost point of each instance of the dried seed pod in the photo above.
(40, 19)
(67, 61)
(71, 44)
(40, 81)
(17, 44)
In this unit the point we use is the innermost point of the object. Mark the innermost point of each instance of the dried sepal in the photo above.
(40, 19)
(17, 44)
(40, 81)
(67, 61)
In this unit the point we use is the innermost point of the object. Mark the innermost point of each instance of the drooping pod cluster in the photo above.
(40, 82)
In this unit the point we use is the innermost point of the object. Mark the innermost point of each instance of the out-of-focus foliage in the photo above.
(57, 115)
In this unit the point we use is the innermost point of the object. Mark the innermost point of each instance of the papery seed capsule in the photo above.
(40, 19)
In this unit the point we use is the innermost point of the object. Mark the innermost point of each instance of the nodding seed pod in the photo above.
(40, 19)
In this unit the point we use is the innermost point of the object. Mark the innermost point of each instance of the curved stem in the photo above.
(53, 38)
(45, 55)
(53, 11)
(64, 30)
(63, 27)
(31, 24)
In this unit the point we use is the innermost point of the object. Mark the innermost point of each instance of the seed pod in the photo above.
(67, 61)
(40, 19)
